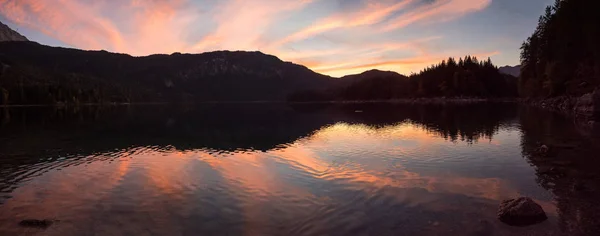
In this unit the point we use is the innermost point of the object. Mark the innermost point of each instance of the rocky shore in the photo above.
(586, 107)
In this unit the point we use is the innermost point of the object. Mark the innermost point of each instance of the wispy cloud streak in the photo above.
(241, 23)
(372, 14)
(147, 26)
(438, 10)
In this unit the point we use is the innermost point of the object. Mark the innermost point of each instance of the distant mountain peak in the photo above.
(374, 73)
(511, 70)
(380, 71)
(8, 34)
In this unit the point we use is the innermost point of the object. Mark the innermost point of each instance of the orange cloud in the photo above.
(320, 60)
(67, 21)
(403, 65)
(142, 27)
(160, 25)
(154, 26)
(241, 23)
(383, 63)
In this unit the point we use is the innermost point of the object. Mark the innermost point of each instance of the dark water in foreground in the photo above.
(266, 169)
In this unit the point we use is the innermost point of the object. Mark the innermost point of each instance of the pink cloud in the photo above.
(241, 23)
(67, 21)
(155, 26)
(142, 27)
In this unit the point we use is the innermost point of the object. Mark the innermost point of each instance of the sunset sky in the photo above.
(334, 37)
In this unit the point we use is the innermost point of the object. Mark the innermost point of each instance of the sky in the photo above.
(333, 37)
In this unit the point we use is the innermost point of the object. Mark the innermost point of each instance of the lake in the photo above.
(277, 169)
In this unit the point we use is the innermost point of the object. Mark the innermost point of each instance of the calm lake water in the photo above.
(275, 169)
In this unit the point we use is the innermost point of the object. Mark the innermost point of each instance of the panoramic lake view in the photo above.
(293, 169)
(300, 117)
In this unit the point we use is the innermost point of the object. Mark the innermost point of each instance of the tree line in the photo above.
(466, 77)
(562, 56)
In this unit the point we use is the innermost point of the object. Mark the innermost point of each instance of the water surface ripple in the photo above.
(279, 170)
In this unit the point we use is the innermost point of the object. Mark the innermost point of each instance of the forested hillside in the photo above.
(37, 74)
(562, 56)
(465, 77)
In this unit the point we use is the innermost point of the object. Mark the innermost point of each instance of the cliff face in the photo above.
(7, 34)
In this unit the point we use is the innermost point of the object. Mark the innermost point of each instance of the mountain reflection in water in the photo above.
(274, 169)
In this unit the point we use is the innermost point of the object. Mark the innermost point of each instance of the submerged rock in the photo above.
(543, 149)
(596, 102)
(585, 104)
(33, 223)
(521, 212)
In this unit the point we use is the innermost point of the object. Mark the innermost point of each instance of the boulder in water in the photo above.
(521, 212)
(541, 151)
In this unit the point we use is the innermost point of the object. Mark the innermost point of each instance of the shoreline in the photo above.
(415, 101)
(584, 111)
(583, 106)
(63, 105)
(586, 107)
(394, 101)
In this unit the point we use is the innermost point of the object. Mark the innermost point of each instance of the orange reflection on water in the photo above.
(341, 157)
(365, 136)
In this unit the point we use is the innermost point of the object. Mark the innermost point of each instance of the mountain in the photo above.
(39, 74)
(369, 85)
(466, 77)
(7, 34)
(373, 74)
(31, 73)
(511, 70)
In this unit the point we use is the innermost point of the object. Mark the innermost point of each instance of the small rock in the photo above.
(521, 212)
(32, 223)
(542, 151)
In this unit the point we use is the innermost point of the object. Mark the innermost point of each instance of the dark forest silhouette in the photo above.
(36, 74)
(465, 77)
(562, 56)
